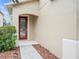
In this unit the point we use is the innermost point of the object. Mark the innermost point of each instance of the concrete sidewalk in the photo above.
(27, 51)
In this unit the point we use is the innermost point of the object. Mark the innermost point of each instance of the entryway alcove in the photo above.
(26, 26)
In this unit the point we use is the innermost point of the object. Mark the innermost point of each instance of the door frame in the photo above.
(26, 28)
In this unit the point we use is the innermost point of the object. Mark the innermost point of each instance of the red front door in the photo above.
(23, 27)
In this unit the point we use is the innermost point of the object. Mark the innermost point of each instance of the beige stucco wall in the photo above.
(57, 20)
(1, 20)
(77, 51)
(26, 8)
(77, 19)
(32, 24)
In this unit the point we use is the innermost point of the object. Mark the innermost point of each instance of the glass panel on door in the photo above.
(23, 28)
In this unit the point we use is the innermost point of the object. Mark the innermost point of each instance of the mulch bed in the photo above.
(44, 52)
(13, 54)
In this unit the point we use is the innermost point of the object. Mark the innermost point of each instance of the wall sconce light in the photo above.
(51, 0)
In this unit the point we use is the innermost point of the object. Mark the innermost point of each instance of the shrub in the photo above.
(7, 38)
